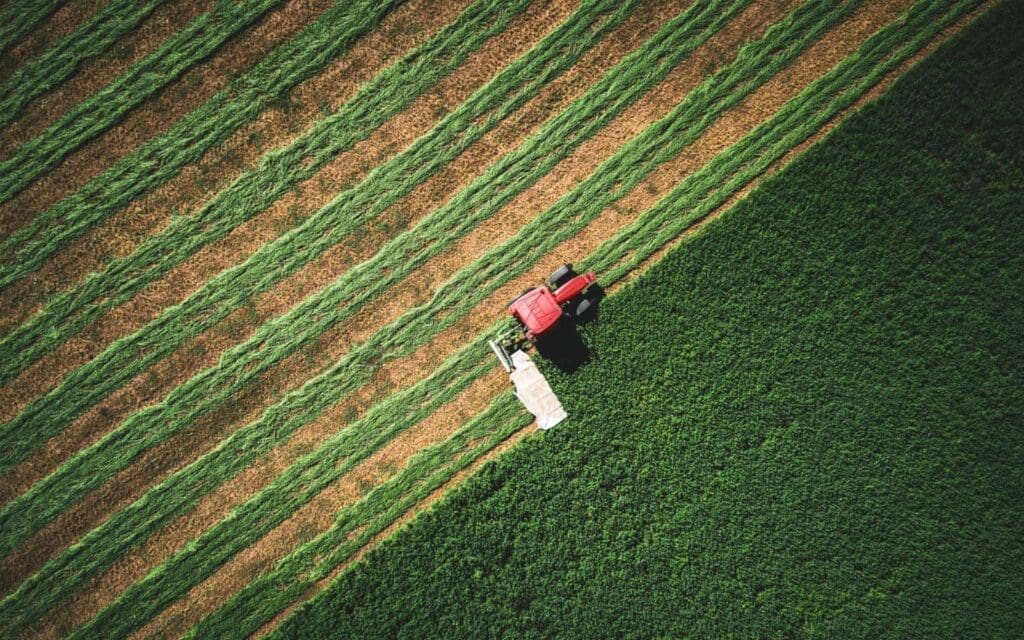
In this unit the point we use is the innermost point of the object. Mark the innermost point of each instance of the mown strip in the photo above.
(92, 38)
(425, 472)
(271, 593)
(128, 528)
(20, 17)
(187, 568)
(160, 159)
(279, 171)
(103, 109)
(273, 341)
(816, 390)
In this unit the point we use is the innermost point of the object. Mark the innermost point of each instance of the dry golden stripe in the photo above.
(521, 35)
(409, 25)
(100, 71)
(403, 372)
(876, 91)
(155, 116)
(59, 24)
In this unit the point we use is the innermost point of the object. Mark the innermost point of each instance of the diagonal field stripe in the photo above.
(20, 17)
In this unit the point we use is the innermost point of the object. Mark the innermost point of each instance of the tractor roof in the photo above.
(537, 310)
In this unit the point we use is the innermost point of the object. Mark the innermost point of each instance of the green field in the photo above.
(803, 422)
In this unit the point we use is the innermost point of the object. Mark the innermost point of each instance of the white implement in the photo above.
(534, 392)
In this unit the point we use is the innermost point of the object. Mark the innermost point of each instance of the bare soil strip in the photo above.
(59, 24)
(505, 138)
(193, 88)
(100, 71)
(402, 30)
(203, 352)
(757, 108)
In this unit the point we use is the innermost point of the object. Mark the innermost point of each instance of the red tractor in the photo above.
(539, 310)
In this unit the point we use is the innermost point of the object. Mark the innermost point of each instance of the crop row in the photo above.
(256, 439)
(813, 107)
(275, 340)
(92, 38)
(18, 18)
(103, 109)
(279, 171)
(161, 158)
(328, 387)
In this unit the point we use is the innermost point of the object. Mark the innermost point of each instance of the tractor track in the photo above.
(400, 31)
(96, 73)
(202, 352)
(239, 52)
(57, 25)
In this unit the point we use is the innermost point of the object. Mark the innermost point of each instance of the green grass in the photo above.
(60, 60)
(800, 423)
(20, 16)
(163, 157)
(103, 109)
(282, 336)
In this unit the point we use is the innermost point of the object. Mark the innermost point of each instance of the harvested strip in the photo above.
(425, 472)
(18, 19)
(95, 71)
(123, 231)
(534, 70)
(253, 598)
(216, 505)
(345, 76)
(100, 111)
(205, 106)
(334, 380)
(279, 172)
(57, 63)
(45, 590)
(50, 29)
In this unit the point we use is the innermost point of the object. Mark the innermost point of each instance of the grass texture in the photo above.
(799, 422)
(163, 157)
(60, 60)
(20, 16)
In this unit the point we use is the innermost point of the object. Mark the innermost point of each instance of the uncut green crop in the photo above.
(103, 109)
(18, 18)
(816, 438)
(161, 158)
(53, 66)
(275, 340)
(175, 577)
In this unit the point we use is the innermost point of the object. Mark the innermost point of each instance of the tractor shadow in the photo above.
(564, 346)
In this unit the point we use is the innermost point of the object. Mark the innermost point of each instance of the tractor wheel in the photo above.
(583, 308)
(561, 275)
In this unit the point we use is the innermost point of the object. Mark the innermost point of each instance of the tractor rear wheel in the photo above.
(561, 275)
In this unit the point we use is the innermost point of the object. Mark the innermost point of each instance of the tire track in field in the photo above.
(96, 73)
(400, 31)
(57, 25)
(524, 31)
(758, 107)
(241, 51)
(660, 99)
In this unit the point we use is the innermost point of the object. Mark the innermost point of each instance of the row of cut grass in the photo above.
(279, 171)
(175, 577)
(93, 37)
(818, 440)
(18, 18)
(130, 527)
(163, 157)
(277, 339)
(814, 106)
(103, 109)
